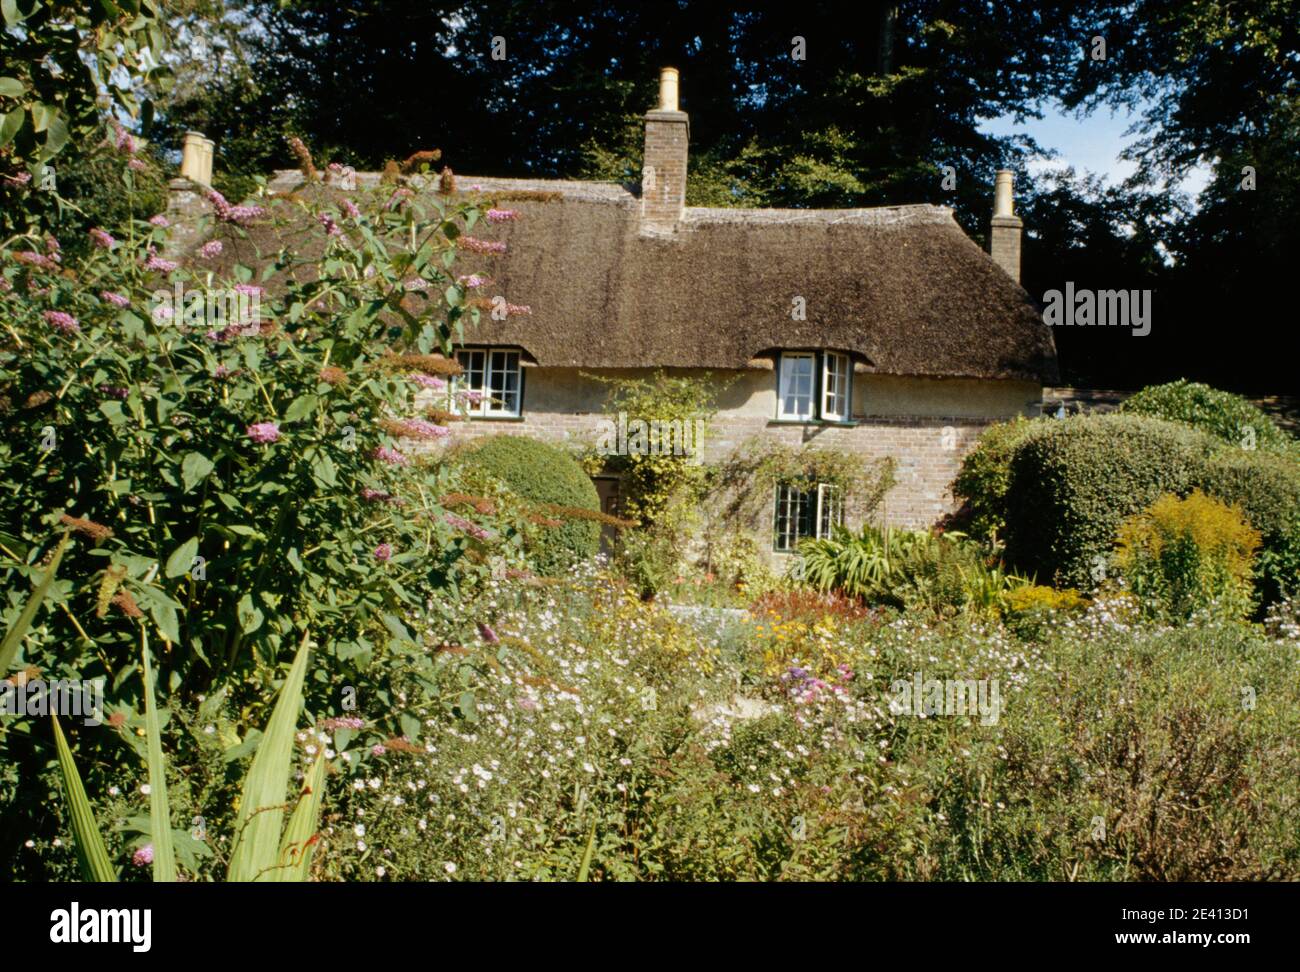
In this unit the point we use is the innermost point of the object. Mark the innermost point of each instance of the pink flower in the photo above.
(115, 299)
(156, 262)
(383, 552)
(125, 142)
(331, 227)
(249, 290)
(102, 239)
(390, 456)
(143, 857)
(487, 634)
(159, 220)
(428, 381)
(377, 749)
(264, 432)
(465, 526)
(136, 165)
(527, 703)
(502, 215)
(472, 281)
(114, 391)
(424, 429)
(32, 258)
(210, 249)
(221, 371)
(378, 496)
(239, 215)
(343, 722)
(475, 245)
(60, 321)
(350, 208)
(470, 395)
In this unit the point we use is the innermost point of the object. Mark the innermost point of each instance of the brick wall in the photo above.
(927, 450)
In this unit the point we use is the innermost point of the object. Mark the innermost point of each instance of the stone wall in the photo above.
(925, 425)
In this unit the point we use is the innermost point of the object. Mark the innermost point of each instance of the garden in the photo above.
(334, 639)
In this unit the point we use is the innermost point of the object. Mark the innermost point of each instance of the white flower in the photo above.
(146, 789)
(380, 872)
(449, 867)
(588, 767)
(361, 845)
(359, 830)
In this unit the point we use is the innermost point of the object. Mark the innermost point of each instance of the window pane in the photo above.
(796, 511)
(796, 386)
(474, 364)
(503, 383)
(836, 376)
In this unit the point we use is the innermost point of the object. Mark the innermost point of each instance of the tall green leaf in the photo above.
(160, 817)
(91, 852)
(261, 806)
(16, 634)
(298, 844)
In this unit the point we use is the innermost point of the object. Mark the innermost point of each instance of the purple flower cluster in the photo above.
(264, 432)
(465, 526)
(155, 262)
(384, 552)
(143, 856)
(342, 722)
(331, 228)
(350, 208)
(114, 391)
(502, 215)
(391, 456)
(239, 215)
(805, 687)
(102, 239)
(475, 245)
(428, 381)
(116, 300)
(62, 322)
(473, 281)
(159, 220)
(424, 429)
(379, 496)
(211, 249)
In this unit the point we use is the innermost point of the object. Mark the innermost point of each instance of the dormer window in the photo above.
(814, 385)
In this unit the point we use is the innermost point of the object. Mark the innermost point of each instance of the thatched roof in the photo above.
(903, 288)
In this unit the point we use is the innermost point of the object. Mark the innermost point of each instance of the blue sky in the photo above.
(1093, 142)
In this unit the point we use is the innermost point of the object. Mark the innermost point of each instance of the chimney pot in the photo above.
(1002, 199)
(196, 158)
(668, 89)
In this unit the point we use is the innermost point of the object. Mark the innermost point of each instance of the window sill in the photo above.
(830, 423)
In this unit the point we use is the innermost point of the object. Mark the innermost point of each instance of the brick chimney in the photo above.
(663, 168)
(1004, 231)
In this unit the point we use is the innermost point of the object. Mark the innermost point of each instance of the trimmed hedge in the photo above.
(1267, 488)
(1222, 414)
(543, 474)
(985, 476)
(1074, 481)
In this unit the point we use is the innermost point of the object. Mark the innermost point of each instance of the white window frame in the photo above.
(496, 372)
(784, 381)
(837, 386)
(827, 511)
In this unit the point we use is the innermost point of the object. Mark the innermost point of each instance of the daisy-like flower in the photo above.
(264, 432)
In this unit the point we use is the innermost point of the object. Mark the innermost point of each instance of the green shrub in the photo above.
(985, 475)
(541, 473)
(1074, 480)
(1187, 555)
(648, 559)
(1222, 414)
(1267, 488)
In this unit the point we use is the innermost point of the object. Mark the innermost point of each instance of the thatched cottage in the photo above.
(884, 332)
